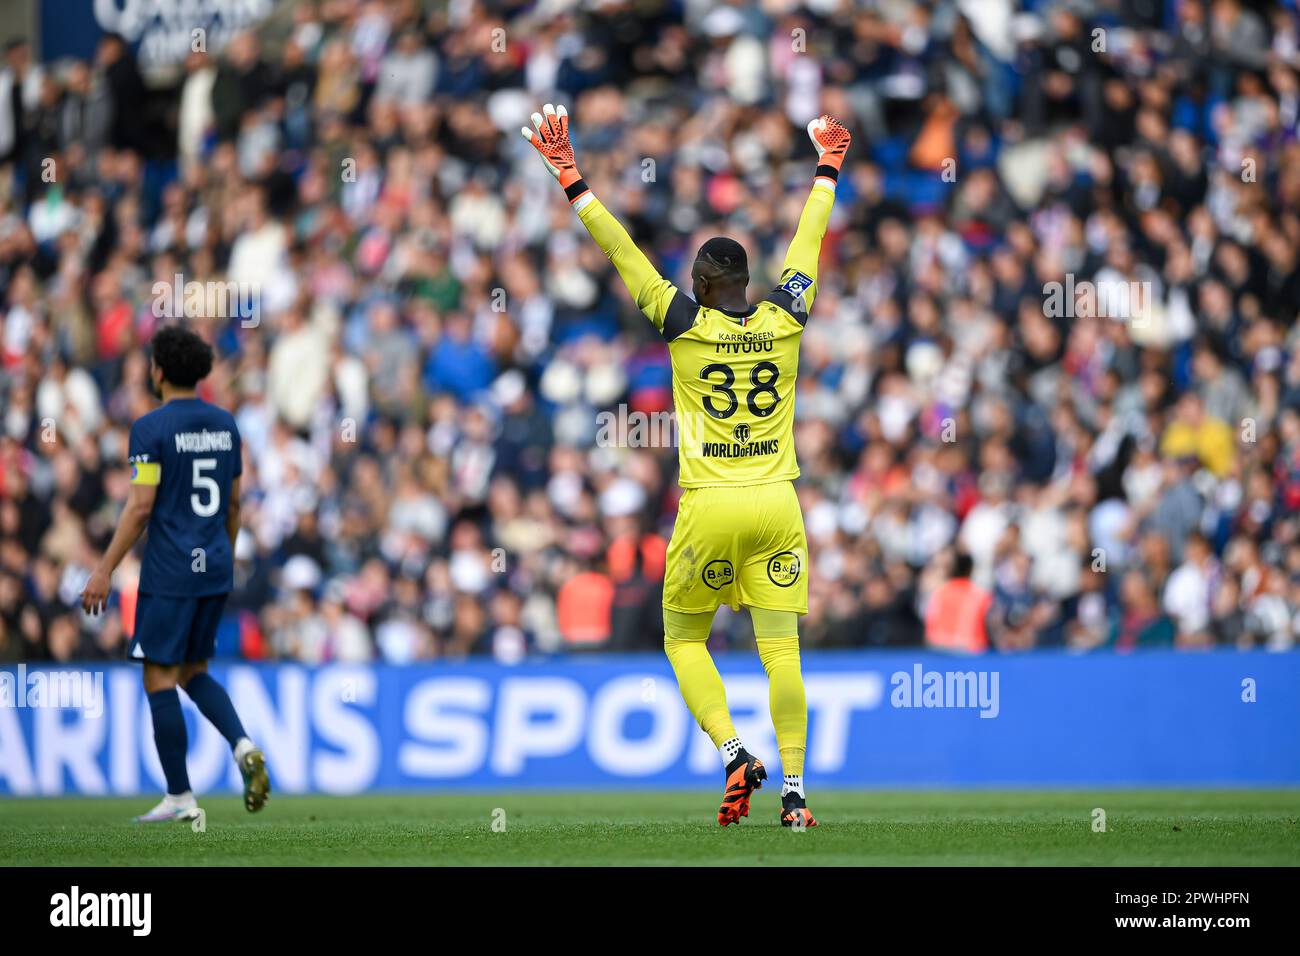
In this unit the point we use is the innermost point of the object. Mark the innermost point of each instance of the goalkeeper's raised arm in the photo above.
(831, 140)
(720, 273)
(654, 295)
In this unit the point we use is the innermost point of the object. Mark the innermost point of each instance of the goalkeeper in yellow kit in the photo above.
(739, 536)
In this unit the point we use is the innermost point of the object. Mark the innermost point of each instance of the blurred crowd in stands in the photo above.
(1056, 330)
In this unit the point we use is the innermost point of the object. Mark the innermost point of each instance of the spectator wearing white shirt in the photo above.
(1188, 591)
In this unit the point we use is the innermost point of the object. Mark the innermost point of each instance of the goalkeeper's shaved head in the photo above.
(721, 274)
(726, 255)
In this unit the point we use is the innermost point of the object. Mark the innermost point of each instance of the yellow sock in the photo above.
(776, 633)
(701, 684)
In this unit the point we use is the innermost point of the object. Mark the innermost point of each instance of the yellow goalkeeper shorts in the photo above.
(742, 546)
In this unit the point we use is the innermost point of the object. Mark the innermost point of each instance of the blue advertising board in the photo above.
(160, 31)
(876, 720)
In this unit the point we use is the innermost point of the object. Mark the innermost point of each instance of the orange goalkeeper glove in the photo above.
(550, 137)
(832, 142)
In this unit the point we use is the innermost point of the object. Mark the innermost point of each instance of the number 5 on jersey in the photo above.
(205, 508)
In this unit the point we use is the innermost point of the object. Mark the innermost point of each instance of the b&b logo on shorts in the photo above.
(718, 574)
(783, 569)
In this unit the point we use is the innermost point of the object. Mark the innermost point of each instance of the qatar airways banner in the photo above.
(608, 722)
(162, 32)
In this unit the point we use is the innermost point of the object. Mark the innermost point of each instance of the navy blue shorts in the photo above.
(176, 630)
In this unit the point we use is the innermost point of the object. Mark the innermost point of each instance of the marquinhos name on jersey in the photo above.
(204, 441)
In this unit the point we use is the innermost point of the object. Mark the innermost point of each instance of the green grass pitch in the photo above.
(945, 828)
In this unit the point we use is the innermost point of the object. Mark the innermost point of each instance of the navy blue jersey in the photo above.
(191, 451)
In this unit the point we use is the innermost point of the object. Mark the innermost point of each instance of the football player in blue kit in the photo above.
(185, 468)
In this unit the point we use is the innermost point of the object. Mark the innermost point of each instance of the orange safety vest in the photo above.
(582, 608)
(128, 597)
(954, 620)
(623, 553)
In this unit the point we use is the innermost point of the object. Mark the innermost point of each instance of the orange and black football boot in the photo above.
(795, 812)
(745, 774)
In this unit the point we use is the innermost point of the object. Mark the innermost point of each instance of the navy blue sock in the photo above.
(169, 737)
(214, 703)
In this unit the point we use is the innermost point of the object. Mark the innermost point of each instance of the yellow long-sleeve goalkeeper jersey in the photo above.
(733, 372)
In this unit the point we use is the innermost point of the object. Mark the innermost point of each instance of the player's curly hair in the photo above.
(184, 358)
